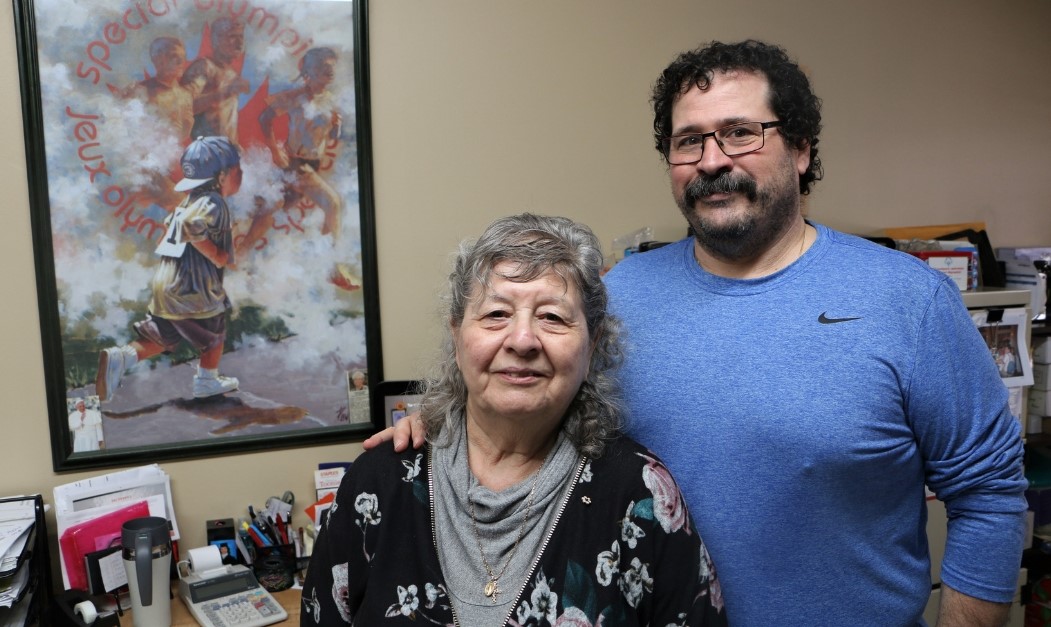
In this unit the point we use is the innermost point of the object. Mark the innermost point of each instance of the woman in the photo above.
(524, 508)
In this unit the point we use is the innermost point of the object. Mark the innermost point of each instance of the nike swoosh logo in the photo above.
(823, 319)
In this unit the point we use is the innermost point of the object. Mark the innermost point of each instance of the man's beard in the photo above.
(747, 236)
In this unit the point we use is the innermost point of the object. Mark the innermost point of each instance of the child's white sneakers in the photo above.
(205, 386)
(113, 363)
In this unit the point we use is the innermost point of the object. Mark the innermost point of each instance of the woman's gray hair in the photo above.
(534, 244)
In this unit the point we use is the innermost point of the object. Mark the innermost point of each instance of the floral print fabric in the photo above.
(624, 551)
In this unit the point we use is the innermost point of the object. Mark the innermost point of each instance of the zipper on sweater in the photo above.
(434, 534)
(543, 545)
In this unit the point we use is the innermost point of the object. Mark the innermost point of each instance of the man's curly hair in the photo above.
(791, 97)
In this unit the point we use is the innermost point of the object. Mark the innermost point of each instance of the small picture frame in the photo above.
(85, 424)
(395, 400)
(227, 551)
(1004, 332)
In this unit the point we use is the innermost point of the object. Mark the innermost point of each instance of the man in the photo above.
(216, 84)
(794, 378)
(86, 427)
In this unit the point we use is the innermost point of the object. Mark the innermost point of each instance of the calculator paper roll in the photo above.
(205, 559)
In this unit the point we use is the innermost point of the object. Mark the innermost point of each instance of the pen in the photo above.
(246, 532)
(259, 536)
(265, 528)
(298, 544)
(245, 543)
(257, 541)
(281, 536)
(256, 517)
(275, 528)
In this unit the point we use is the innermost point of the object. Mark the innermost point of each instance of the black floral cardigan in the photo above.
(624, 551)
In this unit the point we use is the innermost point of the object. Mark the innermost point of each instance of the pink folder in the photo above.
(94, 535)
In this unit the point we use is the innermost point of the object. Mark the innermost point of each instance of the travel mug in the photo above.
(147, 553)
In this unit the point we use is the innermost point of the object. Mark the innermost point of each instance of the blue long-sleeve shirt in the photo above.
(802, 414)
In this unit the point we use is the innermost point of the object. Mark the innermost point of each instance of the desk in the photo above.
(289, 599)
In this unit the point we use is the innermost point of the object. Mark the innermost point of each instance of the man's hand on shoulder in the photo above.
(406, 429)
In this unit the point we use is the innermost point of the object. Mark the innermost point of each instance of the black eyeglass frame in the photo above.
(763, 125)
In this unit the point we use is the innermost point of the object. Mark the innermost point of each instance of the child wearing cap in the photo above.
(188, 301)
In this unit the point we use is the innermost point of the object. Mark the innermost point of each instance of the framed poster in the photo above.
(201, 195)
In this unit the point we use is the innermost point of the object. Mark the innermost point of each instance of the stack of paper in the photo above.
(17, 530)
(89, 514)
(13, 537)
(11, 587)
(10, 558)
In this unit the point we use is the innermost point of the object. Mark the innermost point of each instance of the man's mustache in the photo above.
(724, 183)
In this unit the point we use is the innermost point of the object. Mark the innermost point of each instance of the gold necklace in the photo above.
(783, 261)
(802, 244)
(492, 585)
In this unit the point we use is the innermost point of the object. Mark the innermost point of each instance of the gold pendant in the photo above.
(491, 589)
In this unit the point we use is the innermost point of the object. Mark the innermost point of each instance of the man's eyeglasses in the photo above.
(733, 140)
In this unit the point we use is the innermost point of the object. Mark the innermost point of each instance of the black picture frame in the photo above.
(395, 399)
(100, 138)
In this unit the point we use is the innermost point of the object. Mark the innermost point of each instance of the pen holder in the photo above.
(275, 566)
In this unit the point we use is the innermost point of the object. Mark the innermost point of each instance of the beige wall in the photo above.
(935, 112)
